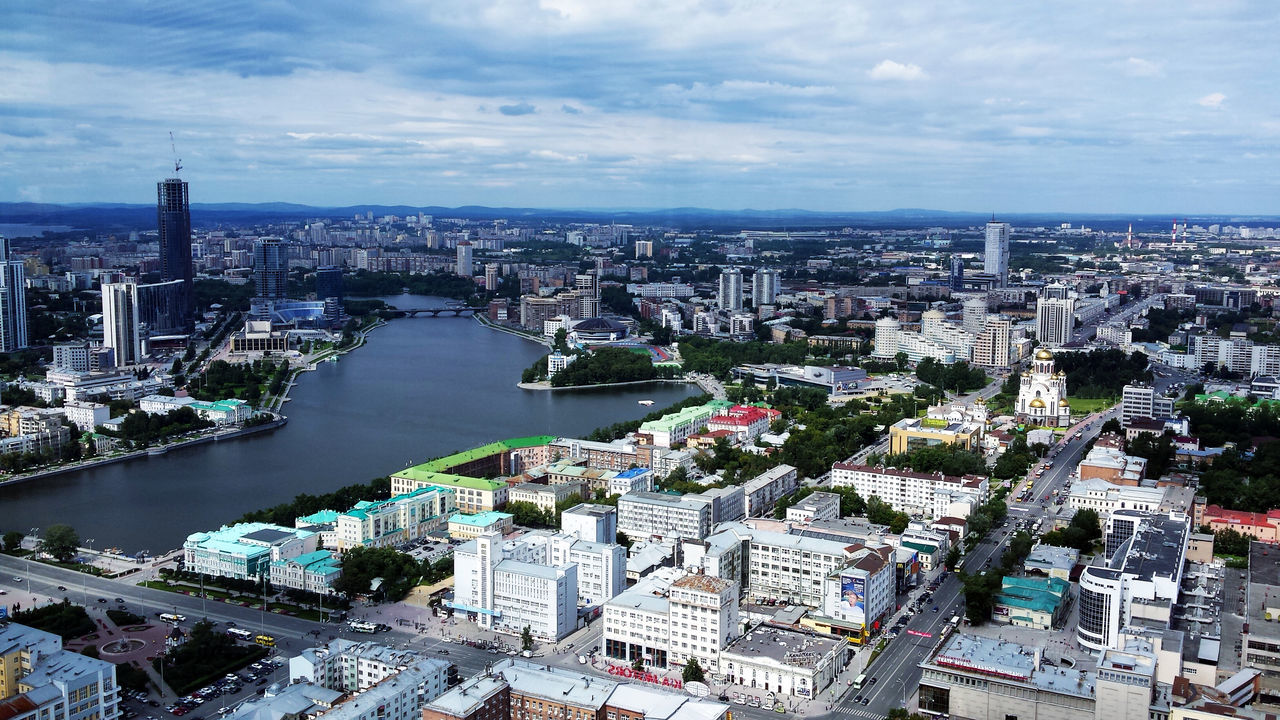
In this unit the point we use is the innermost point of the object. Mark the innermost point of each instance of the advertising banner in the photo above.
(853, 598)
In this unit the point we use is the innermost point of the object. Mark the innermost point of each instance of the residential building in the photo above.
(1141, 400)
(41, 681)
(1140, 583)
(930, 494)
(86, 415)
(350, 666)
(466, 527)
(763, 491)
(313, 572)
(1105, 497)
(1261, 635)
(728, 504)
(1261, 526)
(465, 266)
(671, 617)
(592, 523)
(993, 345)
(996, 256)
(245, 551)
(764, 287)
(786, 662)
(121, 327)
(396, 520)
(861, 595)
(1055, 320)
(173, 214)
(817, 506)
(546, 497)
(1042, 394)
(730, 297)
(657, 515)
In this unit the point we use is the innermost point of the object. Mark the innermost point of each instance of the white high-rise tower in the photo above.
(120, 327)
(731, 290)
(996, 259)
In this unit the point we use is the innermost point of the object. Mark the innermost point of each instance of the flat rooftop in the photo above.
(784, 646)
(1010, 661)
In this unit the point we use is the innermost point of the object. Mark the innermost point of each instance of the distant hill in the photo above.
(120, 217)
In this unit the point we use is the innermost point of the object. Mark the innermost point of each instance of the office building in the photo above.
(940, 425)
(861, 595)
(270, 269)
(791, 568)
(996, 256)
(1055, 320)
(670, 618)
(1139, 585)
(1038, 603)
(546, 497)
(730, 297)
(72, 356)
(975, 315)
(121, 329)
(466, 527)
(41, 681)
(955, 279)
(1140, 400)
(929, 494)
(592, 523)
(746, 422)
(816, 506)
(763, 492)
(674, 428)
(587, 286)
(1105, 497)
(464, 266)
(764, 287)
(245, 551)
(350, 666)
(1261, 526)
(507, 586)
(783, 661)
(1106, 461)
(314, 572)
(396, 520)
(86, 415)
(658, 515)
(329, 283)
(173, 218)
(160, 308)
(13, 301)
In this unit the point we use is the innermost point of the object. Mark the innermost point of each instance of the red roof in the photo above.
(1216, 513)
(743, 415)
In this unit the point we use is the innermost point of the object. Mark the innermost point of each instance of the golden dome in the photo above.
(1037, 403)
(979, 401)
(1043, 354)
(1063, 402)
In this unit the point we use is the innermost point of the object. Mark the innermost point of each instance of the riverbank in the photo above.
(214, 437)
(275, 403)
(546, 385)
(536, 339)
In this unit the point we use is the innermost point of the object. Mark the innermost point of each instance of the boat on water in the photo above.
(331, 359)
(645, 403)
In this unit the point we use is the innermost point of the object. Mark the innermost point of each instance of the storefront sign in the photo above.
(628, 673)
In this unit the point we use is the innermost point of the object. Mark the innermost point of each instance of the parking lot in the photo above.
(211, 701)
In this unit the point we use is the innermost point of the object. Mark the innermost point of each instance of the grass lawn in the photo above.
(1085, 406)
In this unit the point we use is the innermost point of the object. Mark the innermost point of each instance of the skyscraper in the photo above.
(996, 260)
(492, 271)
(465, 268)
(957, 273)
(329, 283)
(270, 279)
(764, 287)
(1055, 319)
(731, 290)
(173, 217)
(588, 287)
(159, 308)
(121, 330)
(13, 301)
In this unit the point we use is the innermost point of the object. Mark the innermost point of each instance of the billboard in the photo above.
(853, 598)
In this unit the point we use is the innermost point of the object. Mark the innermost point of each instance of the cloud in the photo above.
(1137, 67)
(1212, 100)
(890, 70)
(517, 109)
(570, 110)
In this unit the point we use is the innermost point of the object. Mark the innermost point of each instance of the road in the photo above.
(895, 674)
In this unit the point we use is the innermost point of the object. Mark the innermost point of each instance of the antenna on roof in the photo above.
(177, 162)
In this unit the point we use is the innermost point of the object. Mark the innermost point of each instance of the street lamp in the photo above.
(35, 533)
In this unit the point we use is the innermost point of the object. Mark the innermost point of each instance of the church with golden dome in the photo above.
(1042, 394)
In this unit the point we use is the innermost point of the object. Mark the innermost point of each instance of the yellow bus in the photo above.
(265, 640)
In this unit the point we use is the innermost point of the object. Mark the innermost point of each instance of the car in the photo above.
(61, 589)
(857, 698)
(120, 601)
(17, 579)
(866, 700)
(102, 600)
(261, 681)
(935, 608)
(443, 651)
(873, 680)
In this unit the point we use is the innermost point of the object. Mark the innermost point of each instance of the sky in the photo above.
(1106, 106)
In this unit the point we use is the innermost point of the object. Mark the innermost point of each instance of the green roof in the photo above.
(483, 519)
(671, 421)
(922, 547)
(442, 464)
(1040, 594)
(420, 473)
(320, 518)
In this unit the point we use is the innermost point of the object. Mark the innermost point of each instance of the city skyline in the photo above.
(1136, 107)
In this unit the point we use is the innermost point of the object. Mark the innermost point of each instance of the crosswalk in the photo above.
(857, 713)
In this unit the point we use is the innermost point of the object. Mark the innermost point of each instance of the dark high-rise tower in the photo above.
(173, 216)
(269, 276)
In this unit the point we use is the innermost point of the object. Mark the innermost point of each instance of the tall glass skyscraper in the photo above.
(269, 276)
(173, 217)
(996, 258)
(13, 301)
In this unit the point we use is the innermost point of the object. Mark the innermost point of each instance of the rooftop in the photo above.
(784, 646)
(590, 509)
(466, 698)
(562, 686)
(483, 519)
(1010, 661)
(443, 464)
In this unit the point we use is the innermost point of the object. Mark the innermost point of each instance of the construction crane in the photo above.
(177, 161)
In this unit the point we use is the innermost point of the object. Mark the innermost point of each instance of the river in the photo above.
(419, 388)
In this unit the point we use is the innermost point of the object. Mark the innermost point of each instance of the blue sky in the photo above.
(1106, 106)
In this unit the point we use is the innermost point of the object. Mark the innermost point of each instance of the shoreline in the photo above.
(546, 386)
(273, 408)
(503, 329)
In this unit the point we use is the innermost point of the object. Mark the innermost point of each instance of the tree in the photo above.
(61, 541)
(637, 665)
(526, 638)
(953, 557)
(12, 540)
(900, 359)
(692, 672)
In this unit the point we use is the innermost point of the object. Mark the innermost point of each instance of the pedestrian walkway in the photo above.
(856, 712)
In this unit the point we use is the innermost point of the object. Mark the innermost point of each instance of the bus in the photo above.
(265, 640)
(362, 626)
(239, 634)
(858, 681)
(172, 618)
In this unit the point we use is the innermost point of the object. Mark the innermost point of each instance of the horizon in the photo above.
(840, 108)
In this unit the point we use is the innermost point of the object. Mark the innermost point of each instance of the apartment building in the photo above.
(471, 494)
(930, 494)
(546, 497)
(41, 681)
(1106, 498)
(592, 523)
(674, 428)
(817, 506)
(860, 594)
(350, 666)
(650, 515)
(763, 491)
(792, 568)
